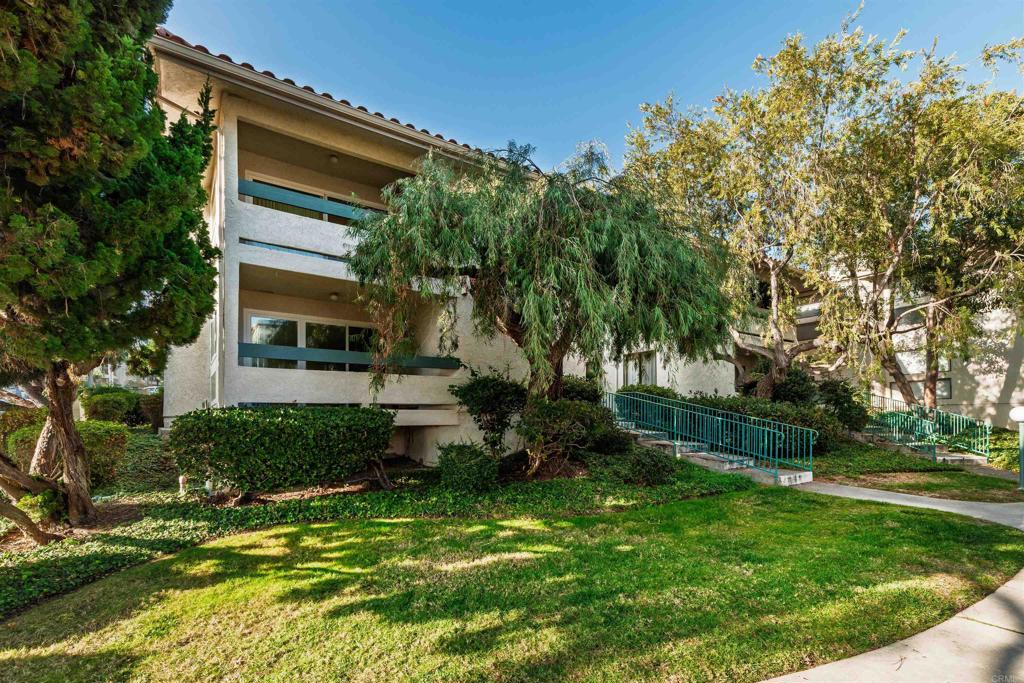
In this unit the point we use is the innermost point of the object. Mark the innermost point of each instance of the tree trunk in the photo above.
(17, 484)
(780, 359)
(61, 385)
(555, 388)
(25, 523)
(44, 459)
(892, 367)
(931, 359)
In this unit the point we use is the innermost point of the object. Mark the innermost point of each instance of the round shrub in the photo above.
(581, 389)
(559, 429)
(105, 447)
(14, 419)
(113, 404)
(637, 465)
(266, 449)
(493, 401)
(840, 398)
(797, 387)
(467, 467)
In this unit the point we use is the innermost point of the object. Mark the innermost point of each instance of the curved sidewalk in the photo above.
(984, 643)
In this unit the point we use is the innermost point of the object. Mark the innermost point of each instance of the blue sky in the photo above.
(554, 73)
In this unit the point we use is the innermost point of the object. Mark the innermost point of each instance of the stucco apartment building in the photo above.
(291, 168)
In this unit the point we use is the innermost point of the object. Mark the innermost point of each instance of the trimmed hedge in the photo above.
(15, 418)
(467, 467)
(641, 465)
(830, 430)
(105, 447)
(581, 389)
(651, 389)
(266, 449)
(113, 404)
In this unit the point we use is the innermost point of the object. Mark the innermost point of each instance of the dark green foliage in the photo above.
(172, 524)
(493, 401)
(830, 430)
(113, 404)
(556, 430)
(797, 387)
(581, 389)
(840, 398)
(14, 419)
(650, 390)
(105, 446)
(575, 260)
(467, 467)
(1004, 449)
(267, 449)
(146, 466)
(635, 465)
(152, 408)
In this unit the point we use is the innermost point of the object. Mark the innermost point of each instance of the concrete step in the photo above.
(713, 462)
(960, 458)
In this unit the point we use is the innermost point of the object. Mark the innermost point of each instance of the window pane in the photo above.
(359, 339)
(275, 331)
(324, 336)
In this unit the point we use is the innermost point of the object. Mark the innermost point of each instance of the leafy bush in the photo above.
(493, 401)
(146, 465)
(265, 449)
(467, 467)
(830, 430)
(152, 408)
(41, 506)
(651, 390)
(797, 387)
(839, 397)
(105, 445)
(15, 418)
(580, 389)
(112, 404)
(558, 429)
(640, 465)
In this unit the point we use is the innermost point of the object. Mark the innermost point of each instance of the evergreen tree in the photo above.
(103, 245)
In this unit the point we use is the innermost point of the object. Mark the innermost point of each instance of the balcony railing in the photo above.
(331, 207)
(294, 353)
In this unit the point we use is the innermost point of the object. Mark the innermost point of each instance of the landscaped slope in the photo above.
(735, 587)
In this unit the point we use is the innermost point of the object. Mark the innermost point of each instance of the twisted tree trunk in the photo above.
(25, 523)
(44, 459)
(60, 386)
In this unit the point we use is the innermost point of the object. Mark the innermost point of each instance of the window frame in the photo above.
(301, 320)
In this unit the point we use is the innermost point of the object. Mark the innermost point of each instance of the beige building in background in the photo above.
(291, 167)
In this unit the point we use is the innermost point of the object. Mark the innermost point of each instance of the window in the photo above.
(913, 362)
(943, 389)
(275, 331)
(640, 368)
(268, 328)
(334, 204)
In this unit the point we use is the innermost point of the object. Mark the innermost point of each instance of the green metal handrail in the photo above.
(296, 353)
(922, 428)
(724, 436)
(302, 200)
(797, 450)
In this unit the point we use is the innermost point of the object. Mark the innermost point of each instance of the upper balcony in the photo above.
(301, 196)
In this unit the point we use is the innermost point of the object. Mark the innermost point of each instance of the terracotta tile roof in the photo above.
(174, 38)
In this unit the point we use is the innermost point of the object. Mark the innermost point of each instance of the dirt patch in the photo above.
(108, 516)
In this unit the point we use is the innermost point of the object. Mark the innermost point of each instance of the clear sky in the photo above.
(554, 73)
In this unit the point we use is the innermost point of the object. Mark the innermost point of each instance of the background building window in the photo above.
(640, 368)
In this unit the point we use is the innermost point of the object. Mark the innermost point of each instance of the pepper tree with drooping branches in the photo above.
(572, 261)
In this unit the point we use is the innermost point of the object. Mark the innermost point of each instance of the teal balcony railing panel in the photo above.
(729, 436)
(796, 449)
(294, 353)
(250, 188)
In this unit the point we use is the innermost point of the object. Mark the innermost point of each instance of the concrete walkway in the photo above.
(983, 644)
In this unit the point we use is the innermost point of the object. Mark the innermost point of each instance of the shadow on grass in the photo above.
(739, 587)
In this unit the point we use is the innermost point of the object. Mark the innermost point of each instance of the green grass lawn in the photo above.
(873, 467)
(736, 587)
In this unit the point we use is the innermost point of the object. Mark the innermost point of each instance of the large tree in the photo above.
(927, 236)
(103, 246)
(752, 172)
(573, 261)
